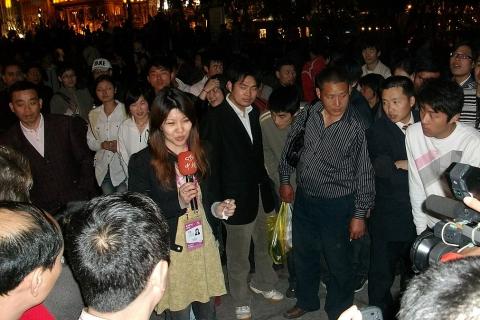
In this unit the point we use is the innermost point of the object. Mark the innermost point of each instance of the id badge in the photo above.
(194, 234)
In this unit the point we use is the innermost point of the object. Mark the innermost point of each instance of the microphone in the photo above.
(188, 167)
(451, 209)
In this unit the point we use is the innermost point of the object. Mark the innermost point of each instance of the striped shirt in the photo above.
(469, 110)
(334, 162)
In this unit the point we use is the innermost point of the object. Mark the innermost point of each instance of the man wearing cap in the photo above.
(101, 67)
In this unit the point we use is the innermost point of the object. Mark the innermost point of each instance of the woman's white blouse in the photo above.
(102, 128)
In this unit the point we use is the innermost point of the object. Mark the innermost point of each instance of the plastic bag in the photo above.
(278, 244)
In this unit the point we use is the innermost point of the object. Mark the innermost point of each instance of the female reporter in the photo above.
(195, 274)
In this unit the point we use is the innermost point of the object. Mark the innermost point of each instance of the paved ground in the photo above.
(263, 310)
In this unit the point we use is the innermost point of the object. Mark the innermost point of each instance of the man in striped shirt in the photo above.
(462, 62)
(335, 189)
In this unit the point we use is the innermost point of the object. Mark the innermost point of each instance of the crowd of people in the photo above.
(98, 141)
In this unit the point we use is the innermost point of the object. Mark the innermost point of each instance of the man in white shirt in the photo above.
(434, 143)
(118, 246)
(371, 53)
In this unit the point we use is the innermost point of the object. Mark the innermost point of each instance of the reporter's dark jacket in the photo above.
(142, 179)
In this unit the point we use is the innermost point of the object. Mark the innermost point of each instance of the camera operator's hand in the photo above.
(351, 313)
(472, 203)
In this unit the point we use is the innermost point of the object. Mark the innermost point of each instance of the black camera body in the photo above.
(459, 225)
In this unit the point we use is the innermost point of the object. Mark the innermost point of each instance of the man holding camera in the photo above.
(434, 143)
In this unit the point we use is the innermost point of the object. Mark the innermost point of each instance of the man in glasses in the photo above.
(462, 62)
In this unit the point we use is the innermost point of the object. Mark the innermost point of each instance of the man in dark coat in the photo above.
(391, 225)
(61, 163)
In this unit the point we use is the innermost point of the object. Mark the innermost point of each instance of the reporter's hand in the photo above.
(225, 209)
(187, 192)
(356, 228)
(286, 193)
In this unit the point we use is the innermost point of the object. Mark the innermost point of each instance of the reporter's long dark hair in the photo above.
(162, 105)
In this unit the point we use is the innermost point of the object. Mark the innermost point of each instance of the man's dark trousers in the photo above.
(321, 225)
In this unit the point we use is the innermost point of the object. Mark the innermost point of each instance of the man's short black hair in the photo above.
(240, 69)
(399, 82)
(161, 62)
(331, 74)
(443, 292)
(442, 95)
(21, 86)
(115, 243)
(283, 62)
(284, 99)
(34, 243)
(211, 56)
(370, 42)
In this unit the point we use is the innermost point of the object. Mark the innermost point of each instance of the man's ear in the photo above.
(36, 281)
(205, 69)
(11, 107)
(411, 101)
(379, 53)
(277, 74)
(40, 101)
(159, 276)
(455, 118)
(318, 92)
(229, 86)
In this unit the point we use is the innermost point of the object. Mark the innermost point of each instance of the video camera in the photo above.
(460, 225)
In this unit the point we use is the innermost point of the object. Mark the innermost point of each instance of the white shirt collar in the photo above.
(409, 123)
(464, 81)
(87, 316)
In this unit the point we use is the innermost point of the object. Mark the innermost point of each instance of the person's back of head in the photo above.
(119, 251)
(15, 175)
(31, 247)
(444, 292)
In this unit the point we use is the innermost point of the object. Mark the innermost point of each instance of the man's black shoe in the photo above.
(294, 313)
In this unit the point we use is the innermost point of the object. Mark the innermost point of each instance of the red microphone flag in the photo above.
(186, 163)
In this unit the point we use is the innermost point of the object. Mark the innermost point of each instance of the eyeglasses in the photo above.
(460, 56)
